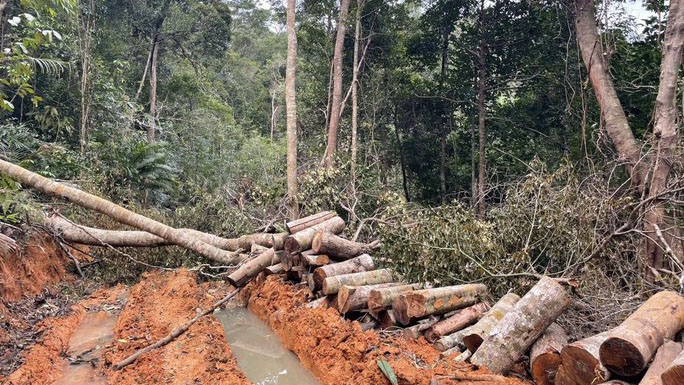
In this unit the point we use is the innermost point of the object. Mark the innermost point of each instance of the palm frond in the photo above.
(50, 67)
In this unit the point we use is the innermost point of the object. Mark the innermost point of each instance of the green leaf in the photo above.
(387, 370)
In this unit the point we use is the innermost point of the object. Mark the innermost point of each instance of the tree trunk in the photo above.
(354, 265)
(86, 40)
(518, 330)
(581, 364)
(354, 96)
(331, 285)
(453, 341)
(456, 322)
(481, 114)
(666, 354)
(338, 247)
(484, 326)
(118, 213)
(291, 110)
(297, 225)
(446, 32)
(630, 346)
(545, 355)
(336, 106)
(275, 269)
(152, 125)
(315, 260)
(351, 298)
(381, 299)
(416, 331)
(275, 241)
(411, 306)
(300, 241)
(253, 267)
(674, 374)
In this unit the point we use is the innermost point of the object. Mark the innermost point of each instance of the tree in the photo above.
(291, 106)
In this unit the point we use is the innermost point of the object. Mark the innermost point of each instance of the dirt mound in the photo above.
(338, 351)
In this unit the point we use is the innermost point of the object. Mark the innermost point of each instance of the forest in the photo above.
(465, 141)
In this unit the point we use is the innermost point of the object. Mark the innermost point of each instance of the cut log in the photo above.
(275, 241)
(290, 260)
(118, 213)
(381, 299)
(630, 346)
(257, 249)
(386, 319)
(275, 269)
(666, 354)
(518, 330)
(300, 241)
(581, 363)
(674, 374)
(452, 341)
(350, 298)
(484, 326)
(355, 265)
(416, 331)
(562, 377)
(459, 320)
(323, 302)
(414, 305)
(300, 224)
(253, 267)
(331, 285)
(314, 259)
(338, 247)
(545, 355)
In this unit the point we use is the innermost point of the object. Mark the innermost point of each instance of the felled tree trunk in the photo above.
(666, 354)
(350, 298)
(674, 374)
(486, 324)
(332, 285)
(300, 224)
(545, 355)
(354, 265)
(381, 299)
(118, 213)
(456, 322)
(414, 332)
(452, 341)
(581, 363)
(630, 346)
(338, 247)
(253, 267)
(411, 306)
(275, 241)
(518, 330)
(311, 259)
(300, 241)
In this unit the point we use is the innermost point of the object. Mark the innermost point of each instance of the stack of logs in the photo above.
(343, 275)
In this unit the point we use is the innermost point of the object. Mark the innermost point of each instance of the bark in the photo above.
(387, 319)
(481, 115)
(630, 346)
(354, 265)
(411, 306)
(253, 267)
(152, 126)
(300, 241)
(416, 331)
(483, 327)
(331, 285)
(545, 355)
(453, 341)
(457, 321)
(315, 260)
(665, 355)
(354, 96)
(275, 269)
(336, 107)
(581, 364)
(257, 249)
(118, 213)
(351, 298)
(291, 109)
(338, 247)
(290, 260)
(674, 374)
(518, 330)
(300, 224)
(269, 240)
(381, 299)
(86, 40)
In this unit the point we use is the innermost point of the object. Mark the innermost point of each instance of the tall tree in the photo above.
(291, 107)
(354, 92)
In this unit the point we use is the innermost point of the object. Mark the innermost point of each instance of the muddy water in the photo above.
(259, 352)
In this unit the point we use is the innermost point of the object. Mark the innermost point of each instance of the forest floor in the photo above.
(47, 336)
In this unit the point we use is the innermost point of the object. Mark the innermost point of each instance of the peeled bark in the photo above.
(674, 374)
(253, 267)
(630, 346)
(300, 241)
(416, 331)
(545, 355)
(666, 354)
(350, 298)
(381, 299)
(118, 213)
(338, 247)
(314, 260)
(484, 326)
(518, 330)
(581, 363)
(457, 321)
(411, 306)
(332, 285)
(300, 224)
(355, 265)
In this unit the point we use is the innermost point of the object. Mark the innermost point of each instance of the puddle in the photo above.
(258, 351)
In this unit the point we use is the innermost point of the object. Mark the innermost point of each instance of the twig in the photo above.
(174, 334)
